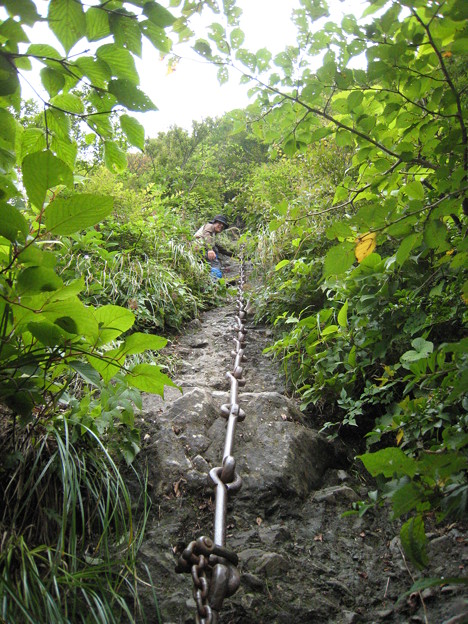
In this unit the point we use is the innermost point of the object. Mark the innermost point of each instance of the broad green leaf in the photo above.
(421, 349)
(435, 234)
(52, 80)
(338, 259)
(67, 21)
(414, 190)
(120, 61)
(114, 157)
(113, 321)
(7, 130)
(68, 102)
(43, 51)
(97, 24)
(339, 229)
(281, 264)
(65, 149)
(158, 14)
(35, 256)
(413, 540)
(390, 462)
(87, 372)
(96, 70)
(25, 9)
(149, 378)
(78, 212)
(236, 38)
(126, 31)
(72, 316)
(48, 334)
(38, 279)
(404, 499)
(9, 82)
(12, 223)
(58, 122)
(41, 172)
(406, 246)
(343, 315)
(156, 35)
(329, 329)
(106, 365)
(133, 130)
(130, 96)
(139, 342)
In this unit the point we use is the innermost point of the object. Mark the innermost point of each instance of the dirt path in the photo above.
(300, 560)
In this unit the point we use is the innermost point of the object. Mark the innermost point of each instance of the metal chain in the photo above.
(213, 566)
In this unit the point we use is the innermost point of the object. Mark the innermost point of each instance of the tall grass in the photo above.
(69, 536)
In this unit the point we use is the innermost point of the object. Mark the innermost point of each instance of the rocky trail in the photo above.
(300, 560)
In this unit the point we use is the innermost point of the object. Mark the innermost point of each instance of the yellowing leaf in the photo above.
(399, 436)
(365, 245)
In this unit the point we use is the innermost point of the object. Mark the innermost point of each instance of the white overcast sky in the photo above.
(192, 92)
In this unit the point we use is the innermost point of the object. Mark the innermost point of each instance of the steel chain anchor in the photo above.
(213, 566)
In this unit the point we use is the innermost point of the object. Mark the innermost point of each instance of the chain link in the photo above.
(213, 566)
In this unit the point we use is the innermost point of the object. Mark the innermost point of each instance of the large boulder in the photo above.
(276, 453)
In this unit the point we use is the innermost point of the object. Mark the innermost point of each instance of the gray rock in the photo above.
(337, 493)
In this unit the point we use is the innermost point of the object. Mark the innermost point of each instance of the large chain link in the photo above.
(213, 566)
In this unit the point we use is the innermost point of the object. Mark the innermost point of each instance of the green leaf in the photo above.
(339, 259)
(43, 51)
(24, 9)
(12, 222)
(68, 102)
(149, 378)
(113, 321)
(86, 371)
(96, 70)
(49, 334)
(120, 61)
(72, 316)
(413, 540)
(126, 31)
(139, 342)
(404, 499)
(158, 15)
(107, 366)
(97, 24)
(114, 157)
(38, 279)
(67, 21)
(130, 96)
(133, 130)
(156, 35)
(343, 315)
(406, 246)
(390, 462)
(41, 172)
(78, 212)
(52, 80)
(422, 348)
(9, 82)
(414, 190)
(281, 264)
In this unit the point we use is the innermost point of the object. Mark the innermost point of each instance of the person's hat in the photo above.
(222, 219)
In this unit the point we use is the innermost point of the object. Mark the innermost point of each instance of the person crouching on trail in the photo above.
(207, 234)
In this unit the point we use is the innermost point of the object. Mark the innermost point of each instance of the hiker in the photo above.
(207, 234)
